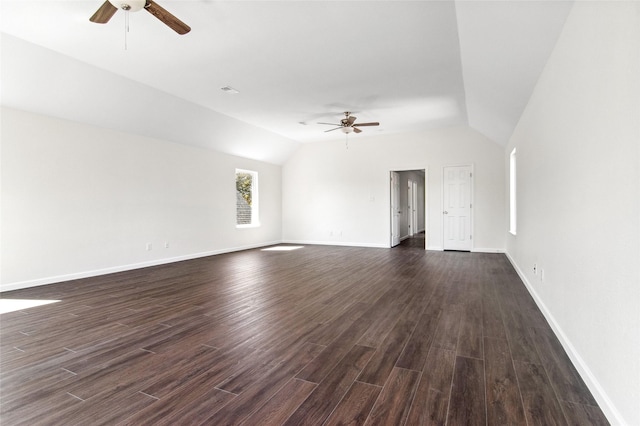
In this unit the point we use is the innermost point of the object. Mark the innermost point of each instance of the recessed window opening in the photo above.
(247, 212)
(512, 192)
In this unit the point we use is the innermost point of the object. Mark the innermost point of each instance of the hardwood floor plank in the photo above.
(562, 374)
(492, 323)
(467, 406)
(470, 337)
(355, 406)
(540, 404)
(581, 414)
(280, 407)
(446, 335)
(323, 400)
(522, 347)
(125, 371)
(394, 402)
(337, 349)
(382, 362)
(431, 401)
(219, 364)
(504, 402)
(264, 388)
(193, 407)
(326, 333)
(382, 323)
(415, 352)
(38, 412)
(33, 388)
(106, 408)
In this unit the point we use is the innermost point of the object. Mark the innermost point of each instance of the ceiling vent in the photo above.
(229, 89)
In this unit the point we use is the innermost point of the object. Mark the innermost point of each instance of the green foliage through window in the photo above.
(244, 185)
(247, 198)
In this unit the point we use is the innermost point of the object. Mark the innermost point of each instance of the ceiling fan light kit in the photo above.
(129, 5)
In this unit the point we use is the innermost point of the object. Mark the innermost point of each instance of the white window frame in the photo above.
(255, 200)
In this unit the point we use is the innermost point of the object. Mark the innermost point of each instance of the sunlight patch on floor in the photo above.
(11, 305)
(282, 248)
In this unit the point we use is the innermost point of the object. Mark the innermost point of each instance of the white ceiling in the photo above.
(411, 65)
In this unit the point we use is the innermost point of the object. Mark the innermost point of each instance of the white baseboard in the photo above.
(121, 268)
(334, 243)
(486, 250)
(606, 405)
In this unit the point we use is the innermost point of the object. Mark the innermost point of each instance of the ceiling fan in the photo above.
(110, 7)
(348, 125)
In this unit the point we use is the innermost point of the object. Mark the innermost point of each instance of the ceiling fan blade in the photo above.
(367, 124)
(331, 130)
(351, 119)
(355, 129)
(104, 13)
(330, 124)
(167, 18)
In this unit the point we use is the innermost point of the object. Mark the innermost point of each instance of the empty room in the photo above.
(320, 212)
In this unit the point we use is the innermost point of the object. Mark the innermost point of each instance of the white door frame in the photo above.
(414, 203)
(410, 208)
(471, 200)
(426, 201)
(394, 207)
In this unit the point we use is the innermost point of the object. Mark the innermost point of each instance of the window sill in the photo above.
(252, 225)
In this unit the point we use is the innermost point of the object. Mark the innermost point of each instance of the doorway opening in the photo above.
(408, 207)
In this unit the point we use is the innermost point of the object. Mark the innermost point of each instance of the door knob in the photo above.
(445, 212)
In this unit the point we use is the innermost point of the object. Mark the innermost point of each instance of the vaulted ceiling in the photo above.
(411, 65)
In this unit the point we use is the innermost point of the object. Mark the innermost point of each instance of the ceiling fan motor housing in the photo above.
(129, 5)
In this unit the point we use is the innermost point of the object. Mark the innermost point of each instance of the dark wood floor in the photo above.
(319, 335)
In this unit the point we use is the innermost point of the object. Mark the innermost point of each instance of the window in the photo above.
(512, 192)
(246, 198)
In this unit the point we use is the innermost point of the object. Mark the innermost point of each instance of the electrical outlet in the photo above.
(166, 244)
(541, 274)
(535, 269)
(149, 246)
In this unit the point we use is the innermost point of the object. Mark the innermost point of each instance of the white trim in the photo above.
(486, 250)
(609, 410)
(335, 243)
(97, 272)
(435, 248)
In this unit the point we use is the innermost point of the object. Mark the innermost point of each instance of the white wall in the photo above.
(578, 199)
(80, 200)
(335, 195)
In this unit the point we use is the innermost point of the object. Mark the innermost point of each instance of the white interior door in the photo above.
(457, 208)
(395, 209)
(412, 207)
